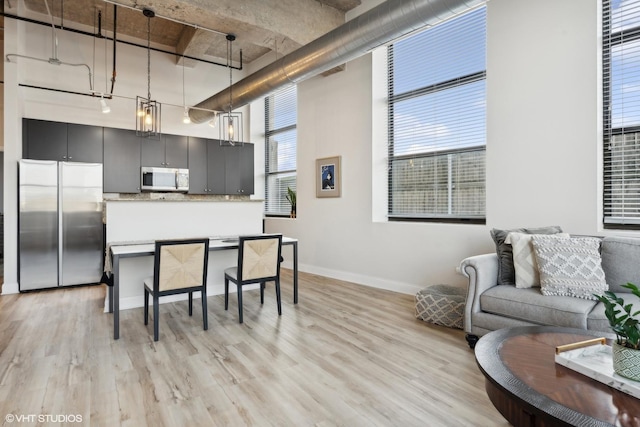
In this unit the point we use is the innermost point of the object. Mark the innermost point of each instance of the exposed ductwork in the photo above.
(383, 23)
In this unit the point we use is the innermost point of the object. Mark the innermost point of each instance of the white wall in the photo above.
(544, 142)
(543, 152)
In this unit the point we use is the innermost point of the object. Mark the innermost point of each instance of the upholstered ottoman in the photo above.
(442, 305)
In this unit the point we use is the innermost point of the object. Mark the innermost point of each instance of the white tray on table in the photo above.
(595, 361)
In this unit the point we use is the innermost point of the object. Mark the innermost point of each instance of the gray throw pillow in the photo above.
(620, 256)
(506, 271)
(570, 267)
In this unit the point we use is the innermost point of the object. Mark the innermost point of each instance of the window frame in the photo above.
(269, 133)
(609, 42)
(427, 90)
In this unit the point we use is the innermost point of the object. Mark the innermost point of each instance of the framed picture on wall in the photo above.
(328, 177)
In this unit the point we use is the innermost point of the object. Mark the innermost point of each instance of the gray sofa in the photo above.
(490, 306)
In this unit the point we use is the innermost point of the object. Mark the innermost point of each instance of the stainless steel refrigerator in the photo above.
(60, 224)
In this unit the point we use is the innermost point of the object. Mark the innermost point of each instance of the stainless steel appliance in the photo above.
(60, 224)
(164, 179)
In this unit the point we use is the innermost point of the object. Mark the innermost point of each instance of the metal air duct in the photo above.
(383, 23)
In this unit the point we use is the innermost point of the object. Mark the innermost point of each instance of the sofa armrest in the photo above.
(482, 271)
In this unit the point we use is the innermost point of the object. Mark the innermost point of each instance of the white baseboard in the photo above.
(10, 288)
(373, 282)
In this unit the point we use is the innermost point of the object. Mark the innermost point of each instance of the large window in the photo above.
(437, 119)
(281, 116)
(621, 84)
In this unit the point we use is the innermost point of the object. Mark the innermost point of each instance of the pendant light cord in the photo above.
(229, 53)
(149, 58)
(183, 97)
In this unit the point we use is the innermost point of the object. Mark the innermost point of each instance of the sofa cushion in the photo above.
(597, 321)
(531, 306)
(524, 260)
(620, 257)
(570, 267)
(506, 272)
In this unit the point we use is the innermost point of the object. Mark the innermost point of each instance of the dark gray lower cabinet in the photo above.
(121, 161)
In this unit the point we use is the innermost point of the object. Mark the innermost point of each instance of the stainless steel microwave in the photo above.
(164, 179)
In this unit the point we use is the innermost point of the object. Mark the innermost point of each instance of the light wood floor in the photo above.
(346, 355)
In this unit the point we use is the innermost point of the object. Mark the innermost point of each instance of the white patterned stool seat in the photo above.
(442, 305)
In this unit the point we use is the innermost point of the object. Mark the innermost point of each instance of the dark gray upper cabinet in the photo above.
(213, 168)
(239, 175)
(197, 165)
(152, 152)
(121, 161)
(84, 143)
(247, 170)
(45, 140)
(170, 151)
(206, 166)
(216, 168)
(176, 151)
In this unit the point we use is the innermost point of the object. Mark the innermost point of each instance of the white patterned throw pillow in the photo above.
(570, 267)
(524, 260)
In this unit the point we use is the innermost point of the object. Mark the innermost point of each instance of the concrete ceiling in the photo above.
(261, 27)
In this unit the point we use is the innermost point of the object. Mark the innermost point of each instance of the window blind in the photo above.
(437, 121)
(621, 98)
(281, 116)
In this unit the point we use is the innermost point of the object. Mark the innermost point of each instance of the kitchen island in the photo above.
(135, 220)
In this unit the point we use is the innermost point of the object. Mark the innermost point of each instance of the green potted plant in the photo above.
(625, 323)
(291, 198)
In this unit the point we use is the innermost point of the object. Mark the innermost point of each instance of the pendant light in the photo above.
(230, 123)
(230, 128)
(148, 111)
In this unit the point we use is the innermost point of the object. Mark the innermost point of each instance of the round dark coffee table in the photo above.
(529, 389)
